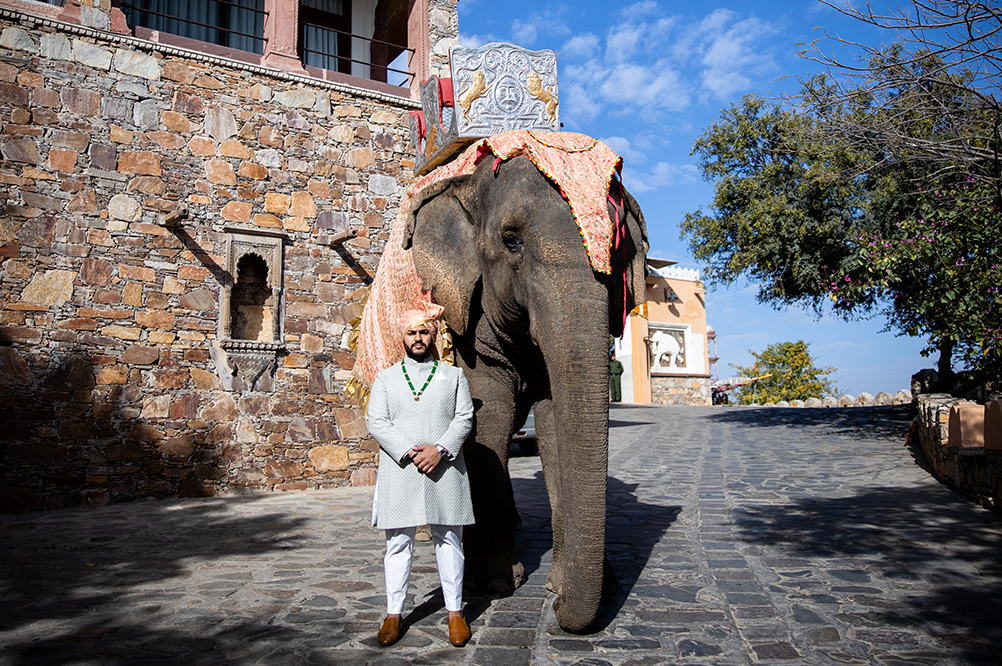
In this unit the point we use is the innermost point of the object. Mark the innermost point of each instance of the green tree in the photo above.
(919, 135)
(942, 274)
(781, 215)
(821, 222)
(793, 375)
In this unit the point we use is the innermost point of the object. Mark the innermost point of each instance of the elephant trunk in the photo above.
(575, 348)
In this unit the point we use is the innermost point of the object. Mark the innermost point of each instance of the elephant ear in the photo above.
(631, 264)
(442, 238)
(636, 268)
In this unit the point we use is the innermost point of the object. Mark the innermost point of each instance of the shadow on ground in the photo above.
(632, 530)
(73, 587)
(854, 422)
(912, 536)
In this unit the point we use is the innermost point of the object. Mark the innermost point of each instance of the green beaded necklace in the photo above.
(417, 394)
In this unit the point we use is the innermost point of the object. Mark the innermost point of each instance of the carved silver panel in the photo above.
(500, 87)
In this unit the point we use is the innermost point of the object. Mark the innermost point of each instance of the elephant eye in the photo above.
(512, 242)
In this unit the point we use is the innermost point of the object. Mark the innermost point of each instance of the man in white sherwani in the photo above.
(420, 412)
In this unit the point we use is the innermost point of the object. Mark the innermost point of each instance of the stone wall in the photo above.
(974, 471)
(108, 316)
(882, 399)
(669, 390)
(443, 29)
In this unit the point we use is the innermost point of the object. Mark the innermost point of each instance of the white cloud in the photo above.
(476, 40)
(663, 174)
(580, 46)
(716, 20)
(577, 99)
(646, 65)
(640, 9)
(624, 149)
(623, 41)
(650, 64)
(731, 56)
(524, 32)
(549, 22)
(639, 85)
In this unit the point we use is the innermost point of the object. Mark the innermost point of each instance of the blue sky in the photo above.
(648, 78)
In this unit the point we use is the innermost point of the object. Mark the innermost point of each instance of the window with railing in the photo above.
(364, 38)
(361, 38)
(236, 24)
(325, 34)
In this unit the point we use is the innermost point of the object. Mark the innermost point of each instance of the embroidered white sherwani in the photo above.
(405, 497)
(442, 417)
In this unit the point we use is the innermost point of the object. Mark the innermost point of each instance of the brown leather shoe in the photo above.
(390, 631)
(459, 631)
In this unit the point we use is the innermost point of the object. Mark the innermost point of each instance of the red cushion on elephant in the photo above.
(445, 97)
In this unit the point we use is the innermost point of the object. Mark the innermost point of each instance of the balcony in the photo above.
(355, 42)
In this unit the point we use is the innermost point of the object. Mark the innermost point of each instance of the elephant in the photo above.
(665, 344)
(530, 319)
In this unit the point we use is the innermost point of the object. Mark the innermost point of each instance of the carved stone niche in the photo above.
(250, 327)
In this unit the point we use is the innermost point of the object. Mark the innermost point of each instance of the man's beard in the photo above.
(418, 356)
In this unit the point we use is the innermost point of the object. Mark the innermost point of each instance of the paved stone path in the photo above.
(740, 536)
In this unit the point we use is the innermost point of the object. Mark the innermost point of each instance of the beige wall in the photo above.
(689, 309)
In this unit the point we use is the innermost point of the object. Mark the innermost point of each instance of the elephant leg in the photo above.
(546, 436)
(492, 564)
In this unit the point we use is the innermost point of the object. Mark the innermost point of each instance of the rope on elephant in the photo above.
(581, 167)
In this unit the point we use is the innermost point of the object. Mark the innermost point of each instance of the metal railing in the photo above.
(131, 10)
(347, 59)
(136, 15)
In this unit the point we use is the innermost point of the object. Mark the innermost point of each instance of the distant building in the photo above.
(665, 351)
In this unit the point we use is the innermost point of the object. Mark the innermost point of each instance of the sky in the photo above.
(648, 78)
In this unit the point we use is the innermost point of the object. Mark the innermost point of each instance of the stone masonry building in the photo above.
(190, 218)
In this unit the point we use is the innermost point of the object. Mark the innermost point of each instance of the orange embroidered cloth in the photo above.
(579, 165)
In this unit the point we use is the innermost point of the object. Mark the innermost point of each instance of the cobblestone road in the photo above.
(740, 536)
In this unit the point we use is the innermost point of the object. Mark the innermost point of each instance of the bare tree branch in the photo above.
(931, 98)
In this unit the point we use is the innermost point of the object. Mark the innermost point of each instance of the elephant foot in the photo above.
(573, 616)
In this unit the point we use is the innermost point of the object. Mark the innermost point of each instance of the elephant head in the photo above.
(501, 252)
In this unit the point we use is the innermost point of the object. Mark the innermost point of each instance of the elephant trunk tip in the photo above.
(574, 620)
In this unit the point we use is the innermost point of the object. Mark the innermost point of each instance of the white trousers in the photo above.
(397, 565)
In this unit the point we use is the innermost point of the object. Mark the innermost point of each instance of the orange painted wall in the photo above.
(689, 309)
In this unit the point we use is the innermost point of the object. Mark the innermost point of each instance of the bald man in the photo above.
(420, 412)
